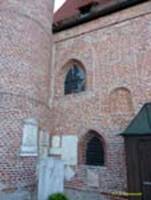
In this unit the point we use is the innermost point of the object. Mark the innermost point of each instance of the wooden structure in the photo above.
(138, 153)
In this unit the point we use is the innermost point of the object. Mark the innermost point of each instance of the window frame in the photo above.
(93, 146)
(83, 142)
(73, 83)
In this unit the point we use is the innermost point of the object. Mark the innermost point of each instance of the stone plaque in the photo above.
(30, 138)
(44, 138)
(70, 149)
(56, 142)
(43, 143)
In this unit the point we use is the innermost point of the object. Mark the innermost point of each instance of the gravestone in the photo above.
(51, 177)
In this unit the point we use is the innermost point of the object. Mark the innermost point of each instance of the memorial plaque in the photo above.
(70, 150)
(30, 137)
(56, 141)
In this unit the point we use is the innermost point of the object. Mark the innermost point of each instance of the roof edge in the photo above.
(99, 12)
(128, 134)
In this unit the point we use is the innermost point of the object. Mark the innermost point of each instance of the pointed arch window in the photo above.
(74, 80)
(95, 152)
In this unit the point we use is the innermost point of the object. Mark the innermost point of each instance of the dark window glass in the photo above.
(86, 9)
(75, 80)
(95, 152)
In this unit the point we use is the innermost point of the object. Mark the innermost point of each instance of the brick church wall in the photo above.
(115, 52)
(25, 61)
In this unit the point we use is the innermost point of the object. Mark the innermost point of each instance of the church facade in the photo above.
(70, 95)
(109, 54)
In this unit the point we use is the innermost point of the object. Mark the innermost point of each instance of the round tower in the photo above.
(25, 63)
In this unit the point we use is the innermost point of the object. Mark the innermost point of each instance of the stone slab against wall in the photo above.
(51, 177)
(66, 147)
(70, 149)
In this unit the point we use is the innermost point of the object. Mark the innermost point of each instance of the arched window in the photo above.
(75, 80)
(94, 152)
(91, 149)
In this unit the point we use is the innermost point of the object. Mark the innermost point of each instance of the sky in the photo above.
(58, 3)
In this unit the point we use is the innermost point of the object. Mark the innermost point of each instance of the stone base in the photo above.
(18, 195)
(73, 194)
